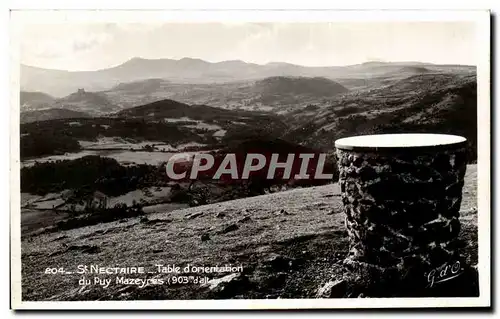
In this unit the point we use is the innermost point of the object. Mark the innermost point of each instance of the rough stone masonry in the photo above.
(401, 212)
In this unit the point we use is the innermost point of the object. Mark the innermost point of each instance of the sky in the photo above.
(73, 46)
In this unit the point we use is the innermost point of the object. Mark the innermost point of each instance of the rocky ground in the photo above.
(289, 244)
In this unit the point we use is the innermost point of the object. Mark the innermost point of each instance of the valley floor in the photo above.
(289, 244)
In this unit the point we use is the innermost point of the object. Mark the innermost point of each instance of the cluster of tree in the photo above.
(94, 173)
(58, 136)
(49, 143)
(160, 110)
(96, 215)
(89, 173)
(316, 86)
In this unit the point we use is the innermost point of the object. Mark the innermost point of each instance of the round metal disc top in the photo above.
(404, 141)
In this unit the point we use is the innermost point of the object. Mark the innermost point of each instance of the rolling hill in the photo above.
(269, 94)
(93, 103)
(30, 101)
(50, 114)
(317, 86)
(187, 70)
(423, 103)
(414, 69)
(429, 102)
(83, 102)
(275, 94)
(165, 121)
(222, 123)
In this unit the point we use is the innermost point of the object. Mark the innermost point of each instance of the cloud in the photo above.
(46, 41)
(90, 41)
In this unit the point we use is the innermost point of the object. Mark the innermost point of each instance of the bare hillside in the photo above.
(284, 253)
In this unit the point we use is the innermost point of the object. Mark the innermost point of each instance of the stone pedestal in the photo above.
(401, 196)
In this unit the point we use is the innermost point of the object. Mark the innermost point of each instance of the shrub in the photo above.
(97, 216)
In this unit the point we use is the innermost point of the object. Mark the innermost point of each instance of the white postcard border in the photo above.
(480, 17)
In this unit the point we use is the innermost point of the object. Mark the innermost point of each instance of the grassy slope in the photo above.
(312, 235)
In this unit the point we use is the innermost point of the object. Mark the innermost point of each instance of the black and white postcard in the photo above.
(250, 159)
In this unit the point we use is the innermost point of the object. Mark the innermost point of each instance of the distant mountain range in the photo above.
(187, 70)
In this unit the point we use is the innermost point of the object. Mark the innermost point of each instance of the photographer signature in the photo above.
(444, 273)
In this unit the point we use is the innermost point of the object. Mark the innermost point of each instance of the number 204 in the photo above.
(54, 271)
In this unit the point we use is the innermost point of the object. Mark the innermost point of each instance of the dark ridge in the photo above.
(50, 114)
(300, 85)
(414, 69)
